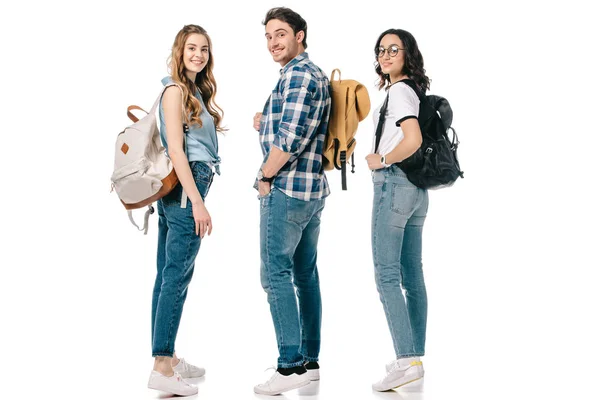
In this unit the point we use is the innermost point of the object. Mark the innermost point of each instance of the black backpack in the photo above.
(435, 164)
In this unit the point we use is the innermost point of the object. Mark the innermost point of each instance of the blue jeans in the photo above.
(399, 210)
(289, 232)
(178, 246)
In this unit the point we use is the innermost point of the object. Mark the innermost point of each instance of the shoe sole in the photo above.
(406, 383)
(172, 392)
(394, 386)
(297, 386)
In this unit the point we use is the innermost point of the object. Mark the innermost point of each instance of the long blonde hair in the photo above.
(205, 80)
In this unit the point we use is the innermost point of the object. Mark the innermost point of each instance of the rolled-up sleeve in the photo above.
(291, 137)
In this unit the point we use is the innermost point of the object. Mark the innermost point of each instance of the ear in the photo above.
(300, 37)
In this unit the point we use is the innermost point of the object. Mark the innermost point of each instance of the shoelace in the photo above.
(180, 379)
(177, 376)
(183, 363)
(398, 365)
(272, 378)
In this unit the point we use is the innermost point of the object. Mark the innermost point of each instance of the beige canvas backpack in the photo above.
(350, 104)
(143, 172)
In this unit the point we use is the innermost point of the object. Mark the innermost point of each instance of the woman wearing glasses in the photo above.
(399, 207)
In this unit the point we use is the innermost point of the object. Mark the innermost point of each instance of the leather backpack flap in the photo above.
(363, 102)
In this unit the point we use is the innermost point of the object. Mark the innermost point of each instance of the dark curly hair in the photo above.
(413, 60)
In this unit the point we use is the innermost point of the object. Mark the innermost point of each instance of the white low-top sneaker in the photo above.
(399, 373)
(171, 384)
(313, 374)
(281, 383)
(188, 370)
(406, 361)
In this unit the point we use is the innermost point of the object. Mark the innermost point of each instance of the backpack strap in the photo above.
(379, 129)
(184, 197)
(146, 217)
(413, 86)
(186, 129)
(426, 109)
(333, 74)
(130, 114)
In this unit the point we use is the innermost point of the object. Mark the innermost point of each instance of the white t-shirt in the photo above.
(402, 105)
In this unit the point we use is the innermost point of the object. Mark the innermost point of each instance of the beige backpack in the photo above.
(143, 172)
(350, 104)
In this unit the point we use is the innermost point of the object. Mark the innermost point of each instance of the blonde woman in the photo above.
(190, 138)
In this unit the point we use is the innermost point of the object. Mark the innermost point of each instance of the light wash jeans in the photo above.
(399, 210)
(289, 233)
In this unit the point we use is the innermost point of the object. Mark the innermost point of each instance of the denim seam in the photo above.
(267, 266)
(291, 365)
(303, 348)
(159, 207)
(303, 339)
(169, 336)
(385, 302)
(415, 354)
(161, 354)
(304, 344)
(377, 264)
(410, 328)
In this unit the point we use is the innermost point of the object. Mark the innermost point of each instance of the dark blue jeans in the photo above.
(178, 246)
(289, 232)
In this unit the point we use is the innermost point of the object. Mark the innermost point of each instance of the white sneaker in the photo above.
(399, 373)
(188, 370)
(171, 384)
(406, 361)
(281, 383)
(313, 374)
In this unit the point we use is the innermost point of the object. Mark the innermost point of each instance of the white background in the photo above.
(510, 252)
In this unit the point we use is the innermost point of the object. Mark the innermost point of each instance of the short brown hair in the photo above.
(290, 17)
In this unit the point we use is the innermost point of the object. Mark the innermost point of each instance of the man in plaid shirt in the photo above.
(292, 189)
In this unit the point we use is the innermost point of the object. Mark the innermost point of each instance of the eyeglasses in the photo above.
(392, 51)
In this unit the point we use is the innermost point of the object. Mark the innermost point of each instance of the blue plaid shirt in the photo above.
(294, 120)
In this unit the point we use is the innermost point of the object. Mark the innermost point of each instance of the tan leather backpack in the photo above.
(350, 104)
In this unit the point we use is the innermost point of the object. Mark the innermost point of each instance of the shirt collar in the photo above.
(294, 61)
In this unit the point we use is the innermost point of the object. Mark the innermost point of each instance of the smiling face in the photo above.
(281, 41)
(391, 56)
(195, 55)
